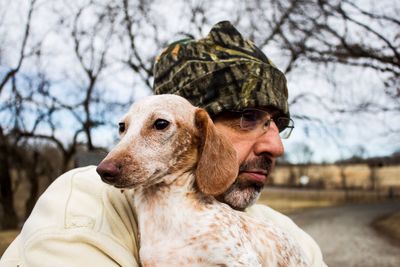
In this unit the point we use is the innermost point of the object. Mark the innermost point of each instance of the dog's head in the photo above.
(164, 136)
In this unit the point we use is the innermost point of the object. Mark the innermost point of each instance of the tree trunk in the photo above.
(33, 179)
(9, 220)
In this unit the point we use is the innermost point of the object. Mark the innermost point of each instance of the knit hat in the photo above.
(221, 72)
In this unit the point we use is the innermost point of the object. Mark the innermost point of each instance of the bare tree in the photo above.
(133, 16)
(23, 53)
(341, 32)
(7, 79)
(34, 109)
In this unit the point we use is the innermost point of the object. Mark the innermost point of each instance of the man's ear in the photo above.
(217, 167)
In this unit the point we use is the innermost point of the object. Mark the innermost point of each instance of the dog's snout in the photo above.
(108, 171)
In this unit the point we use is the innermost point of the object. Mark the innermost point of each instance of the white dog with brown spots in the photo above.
(171, 154)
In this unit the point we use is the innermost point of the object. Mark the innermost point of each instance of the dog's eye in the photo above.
(121, 127)
(160, 124)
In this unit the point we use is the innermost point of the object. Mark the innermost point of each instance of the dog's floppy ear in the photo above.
(217, 167)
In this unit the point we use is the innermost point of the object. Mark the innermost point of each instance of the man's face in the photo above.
(257, 151)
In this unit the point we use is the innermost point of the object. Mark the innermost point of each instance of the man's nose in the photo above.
(108, 171)
(269, 142)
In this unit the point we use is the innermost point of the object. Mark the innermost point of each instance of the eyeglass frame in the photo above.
(266, 125)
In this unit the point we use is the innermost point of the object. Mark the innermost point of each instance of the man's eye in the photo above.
(121, 127)
(249, 116)
(253, 115)
(160, 124)
(250, 119)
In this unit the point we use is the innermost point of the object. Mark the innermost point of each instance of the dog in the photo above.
(172, 155)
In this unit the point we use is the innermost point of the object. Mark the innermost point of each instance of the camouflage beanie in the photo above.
(221, 72)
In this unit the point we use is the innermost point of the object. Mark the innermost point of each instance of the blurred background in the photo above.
(70, 69)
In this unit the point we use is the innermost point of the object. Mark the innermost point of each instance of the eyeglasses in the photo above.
(252, 119)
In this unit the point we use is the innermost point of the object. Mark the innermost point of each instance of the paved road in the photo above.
(346, 238)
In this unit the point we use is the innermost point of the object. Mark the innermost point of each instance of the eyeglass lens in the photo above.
(252, 118)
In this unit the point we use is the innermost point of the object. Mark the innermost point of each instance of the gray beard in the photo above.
(241, 194)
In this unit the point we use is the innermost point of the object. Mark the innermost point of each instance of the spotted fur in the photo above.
(175, 173)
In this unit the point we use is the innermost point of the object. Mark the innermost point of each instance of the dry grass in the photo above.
(389, 226)
(288, 200)
(293, 200)
(285, 206)
(6, 237)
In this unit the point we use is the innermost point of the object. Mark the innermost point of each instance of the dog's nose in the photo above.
(108, 172)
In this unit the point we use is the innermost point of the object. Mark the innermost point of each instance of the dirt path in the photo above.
(346, 237)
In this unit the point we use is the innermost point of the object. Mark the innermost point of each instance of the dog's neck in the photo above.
(172, 184)
(162, 210)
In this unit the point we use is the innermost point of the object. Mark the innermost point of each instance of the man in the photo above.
(80, 221)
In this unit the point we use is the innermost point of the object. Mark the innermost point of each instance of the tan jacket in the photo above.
(81, 221)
